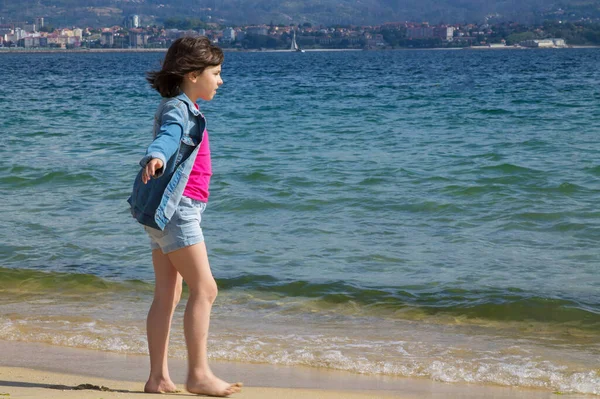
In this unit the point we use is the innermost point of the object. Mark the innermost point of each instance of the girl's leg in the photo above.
(192, 263)
(167, 292)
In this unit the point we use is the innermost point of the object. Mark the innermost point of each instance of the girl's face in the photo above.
(204, 85)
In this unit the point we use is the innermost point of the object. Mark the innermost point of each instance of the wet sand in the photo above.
(29, 370)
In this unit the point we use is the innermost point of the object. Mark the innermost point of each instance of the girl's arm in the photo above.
(166, 143)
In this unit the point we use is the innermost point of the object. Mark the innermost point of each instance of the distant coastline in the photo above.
(5, 50)
(82, 50)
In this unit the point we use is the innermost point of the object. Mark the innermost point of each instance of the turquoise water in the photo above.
(409, 213)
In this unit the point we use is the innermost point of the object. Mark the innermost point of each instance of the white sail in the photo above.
(294, 44)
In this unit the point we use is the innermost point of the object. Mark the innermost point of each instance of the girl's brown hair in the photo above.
(186, 54)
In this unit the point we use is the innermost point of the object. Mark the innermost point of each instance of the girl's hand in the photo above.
(150, 169)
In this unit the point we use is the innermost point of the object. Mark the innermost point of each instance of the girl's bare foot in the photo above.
(212, 386)
(160, 386)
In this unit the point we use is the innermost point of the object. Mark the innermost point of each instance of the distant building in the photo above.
(325, 41)
(73, 41)
(137, 38)
(444, 32)
(376, 41)
(15, 35)
(30, 41)
(537, 43)
(55, 40)
(120, 41)
(39, 22)
(29, 28)
(62, 40)
(202, 32)
(5, 30)
(420, 32)
(78, 33)
(257, 30)
(173, 34)
(190, 33)
(132, 21)
(107, 39)
(544, 43)
(229, 35)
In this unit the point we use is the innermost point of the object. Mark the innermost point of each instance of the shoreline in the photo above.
(19, 50)
(35, 370)
(163, 50)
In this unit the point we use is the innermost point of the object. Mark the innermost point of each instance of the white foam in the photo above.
(418, 355)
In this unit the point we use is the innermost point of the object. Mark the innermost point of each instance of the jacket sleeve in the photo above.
(166, 142)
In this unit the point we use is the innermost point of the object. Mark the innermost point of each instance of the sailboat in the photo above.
(295, 45)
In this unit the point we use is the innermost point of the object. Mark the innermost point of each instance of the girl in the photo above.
(169, 195)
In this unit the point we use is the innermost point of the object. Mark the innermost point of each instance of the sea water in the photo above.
(400, 213)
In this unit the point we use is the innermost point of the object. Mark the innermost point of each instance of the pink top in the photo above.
(199, 180)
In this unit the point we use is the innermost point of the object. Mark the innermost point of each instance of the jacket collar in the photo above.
(190, 104)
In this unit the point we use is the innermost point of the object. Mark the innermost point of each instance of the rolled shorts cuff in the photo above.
(177, 245)
(182, 230)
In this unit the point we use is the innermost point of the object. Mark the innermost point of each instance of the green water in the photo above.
(411, 213)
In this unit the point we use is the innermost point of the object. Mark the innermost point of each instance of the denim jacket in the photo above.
(178, 130)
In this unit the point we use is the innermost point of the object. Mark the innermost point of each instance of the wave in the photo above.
(495, 111)
(509, 169)
(407, 303)
(595, 170)
(489, 304)
(55, 177)
(33, 282)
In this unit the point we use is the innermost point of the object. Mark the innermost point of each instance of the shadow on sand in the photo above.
(79, 387)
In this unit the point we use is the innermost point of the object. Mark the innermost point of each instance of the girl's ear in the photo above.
(191, 76)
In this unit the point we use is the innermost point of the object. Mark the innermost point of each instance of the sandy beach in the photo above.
(29, 370)
(28, 383)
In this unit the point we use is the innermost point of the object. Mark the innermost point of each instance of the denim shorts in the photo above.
(182, 230)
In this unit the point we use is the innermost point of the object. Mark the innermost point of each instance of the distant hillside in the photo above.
(327, 12)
